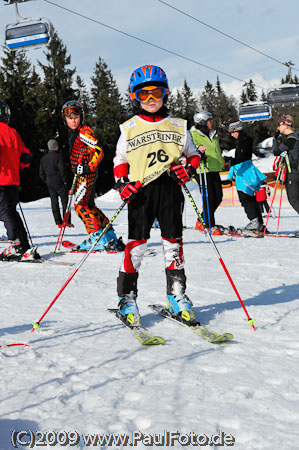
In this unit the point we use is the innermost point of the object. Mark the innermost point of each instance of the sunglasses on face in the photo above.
(72, 110)
(143, 95)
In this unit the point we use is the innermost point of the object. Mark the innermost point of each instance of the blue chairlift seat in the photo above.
(283, 96)
(250, 112)
(22, 34)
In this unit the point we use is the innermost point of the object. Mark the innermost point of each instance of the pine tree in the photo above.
(183, 104)
(82, 94)
(57, 88)
(107, 113)
(249, 93)
(20, 88)
(208, 98)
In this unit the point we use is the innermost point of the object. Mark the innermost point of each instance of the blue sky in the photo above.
(270, 26)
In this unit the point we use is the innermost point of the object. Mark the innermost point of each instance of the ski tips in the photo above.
(35, 326)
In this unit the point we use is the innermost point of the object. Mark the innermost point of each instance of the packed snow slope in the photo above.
(85, 372)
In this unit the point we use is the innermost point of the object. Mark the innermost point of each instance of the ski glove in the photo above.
(127, 190)
(81, 169)
(203, 157)
(276, 134)
(182, 174)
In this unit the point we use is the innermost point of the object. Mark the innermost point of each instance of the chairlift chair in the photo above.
(250, 112)
(284, 95)
(28, 33)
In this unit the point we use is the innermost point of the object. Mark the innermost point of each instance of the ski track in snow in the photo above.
(84, 371)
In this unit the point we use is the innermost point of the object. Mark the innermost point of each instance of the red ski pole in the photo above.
(250, 321)
(67, 212)
(37, 324)
(274, 194)
(281, 192)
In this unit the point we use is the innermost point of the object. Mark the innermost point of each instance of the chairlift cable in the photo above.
(148, 43)
(225, 34)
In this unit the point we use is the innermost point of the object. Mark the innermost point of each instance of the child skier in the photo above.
(85, 156)
(149, 175)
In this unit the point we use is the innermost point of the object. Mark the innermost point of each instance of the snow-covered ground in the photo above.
(85, 373)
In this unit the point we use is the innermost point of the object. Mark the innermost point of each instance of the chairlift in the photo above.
(32, 32)
(250, 112)
(284, 95)
(27, 32)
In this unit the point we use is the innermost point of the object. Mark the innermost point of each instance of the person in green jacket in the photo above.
(206, 140)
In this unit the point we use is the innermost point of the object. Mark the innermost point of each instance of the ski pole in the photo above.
(27, 229)
(280, 200)
(37, 324)
(274, 194)
(198, 178)
(66, 216)
(250, 321)
(207, 195)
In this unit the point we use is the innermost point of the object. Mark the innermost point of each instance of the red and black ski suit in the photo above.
(93, 218)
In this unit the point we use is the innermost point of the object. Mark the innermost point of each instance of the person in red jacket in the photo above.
(14, 156)
(149, 176)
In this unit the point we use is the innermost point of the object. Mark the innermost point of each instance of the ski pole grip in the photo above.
(138, 184)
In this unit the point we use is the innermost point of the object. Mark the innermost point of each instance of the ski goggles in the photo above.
(72, 110)
(144, 94)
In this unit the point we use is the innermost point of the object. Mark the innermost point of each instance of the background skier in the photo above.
(14, 156)
(206, 140)
(248, 177)
(85, 156)
(289, 146)
(53, 174)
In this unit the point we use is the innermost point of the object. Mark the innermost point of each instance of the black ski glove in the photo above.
(276, 134)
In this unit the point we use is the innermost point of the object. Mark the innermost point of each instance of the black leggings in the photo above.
(250, 205)
(215, 194)
(292, 188)
(9, 215)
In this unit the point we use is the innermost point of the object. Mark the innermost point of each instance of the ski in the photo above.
(200, 330)
(141, 333)
(14, 345)
(74, 248)
(240, 232)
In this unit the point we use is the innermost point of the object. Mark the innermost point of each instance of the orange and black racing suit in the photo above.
(81, 153)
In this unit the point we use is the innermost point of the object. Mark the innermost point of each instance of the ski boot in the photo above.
(112, 243)
(216, 230)
(255, 225)
(30, 255)
(199, 226)
(129, 310)
(108, 242)
(12, 253)
(181, 305)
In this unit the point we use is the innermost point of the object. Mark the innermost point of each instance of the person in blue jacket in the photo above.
(247, 177)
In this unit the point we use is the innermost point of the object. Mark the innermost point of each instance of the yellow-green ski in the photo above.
(200, 330)
(140, 332)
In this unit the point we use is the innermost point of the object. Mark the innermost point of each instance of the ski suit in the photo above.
(290, 145)
(93, 218)
(147, 146)
(14, 156)
(213, 166)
